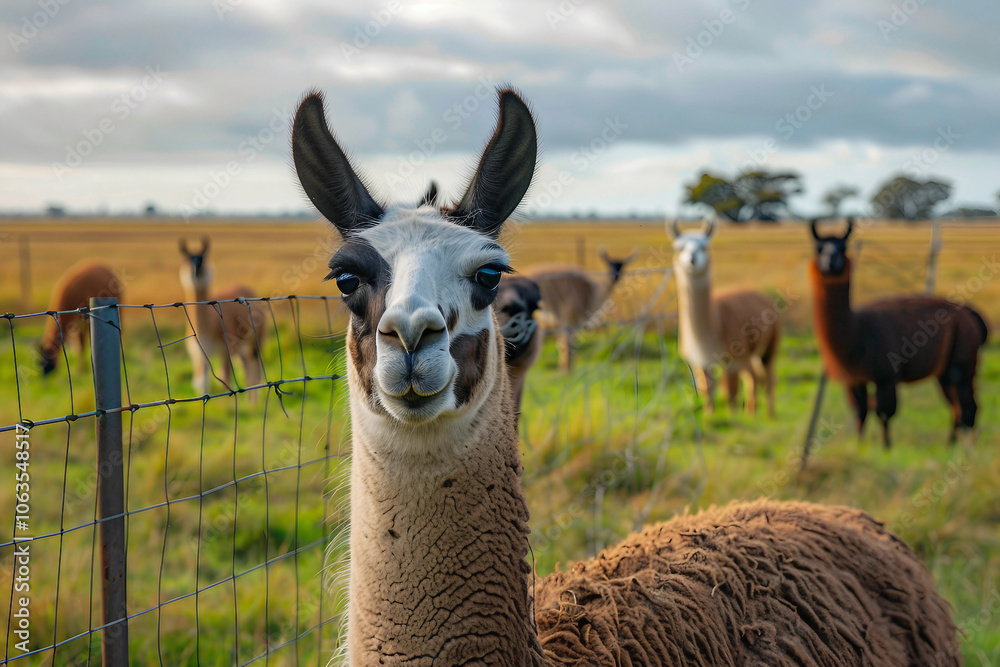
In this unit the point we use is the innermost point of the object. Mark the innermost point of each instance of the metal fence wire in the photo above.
(155, 524)
(192, 529)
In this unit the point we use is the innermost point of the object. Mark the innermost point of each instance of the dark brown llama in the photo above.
(899, 339)
(74, 291)
(515, 306)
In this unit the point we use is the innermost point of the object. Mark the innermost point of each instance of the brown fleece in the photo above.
(753, 584)
(74, 290)
(864, 345)
(439, 574)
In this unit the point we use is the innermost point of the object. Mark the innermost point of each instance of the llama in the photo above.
(573, 299)
(900, 339)
(220, 329)
(516, 302)
(735, 332)
(73, 291)
(439, 520)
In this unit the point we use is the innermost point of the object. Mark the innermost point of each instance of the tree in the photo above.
(717, 193)
(759, 195)
(836, 196)
(902, 198)
(766, 194)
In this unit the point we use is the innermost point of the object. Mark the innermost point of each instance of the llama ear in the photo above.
(430, 197)
(812, 226)
(673, 231)
(326, 174)
(204, 245)
(850, 228)
(710, 225)
(632, 257)
(602, 252)
(504, 172)
(184, 248)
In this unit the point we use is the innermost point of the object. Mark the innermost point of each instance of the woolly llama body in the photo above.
(572, 299)
(221, 330)
(900, 339)
(732, 333)
(439, 534)
(75, 288)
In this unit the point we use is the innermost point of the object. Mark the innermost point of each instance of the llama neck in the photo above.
(197, 290)
(439, 537)
(696, 318)
(832, 315)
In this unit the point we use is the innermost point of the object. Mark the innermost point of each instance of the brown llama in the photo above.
(223, 329)
(73, 291)
(733, 333)
(572, 300)
(899, 339)
(516, 302)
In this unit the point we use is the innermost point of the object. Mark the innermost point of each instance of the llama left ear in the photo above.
(673, 231)
(850, 228)
(326, 174)
(430, 197)
(812, 227)
(504, 172)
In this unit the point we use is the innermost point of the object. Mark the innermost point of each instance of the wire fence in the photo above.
(233, 501)
(229, 500)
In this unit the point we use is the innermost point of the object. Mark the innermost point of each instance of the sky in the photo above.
(108, 106)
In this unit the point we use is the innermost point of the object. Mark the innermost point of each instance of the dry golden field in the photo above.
(280, 258)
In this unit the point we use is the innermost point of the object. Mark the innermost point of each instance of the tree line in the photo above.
(763, 195)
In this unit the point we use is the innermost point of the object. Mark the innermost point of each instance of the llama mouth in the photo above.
(415, 400)
(412, 406)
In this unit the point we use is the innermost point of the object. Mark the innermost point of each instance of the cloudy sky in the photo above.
(106, 106)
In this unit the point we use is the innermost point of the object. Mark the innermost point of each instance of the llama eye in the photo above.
(488, 277)
(347, 283)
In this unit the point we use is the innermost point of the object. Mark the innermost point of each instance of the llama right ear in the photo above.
(184, 248)
(812, 226)
(850, 228)
(326, 174)
(504, 172)
(710, 225)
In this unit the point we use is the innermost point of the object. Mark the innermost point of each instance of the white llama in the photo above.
(439, 520)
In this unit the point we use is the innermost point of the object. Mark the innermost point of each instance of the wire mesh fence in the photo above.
(229, 497)
(233, 506)
(232, 502)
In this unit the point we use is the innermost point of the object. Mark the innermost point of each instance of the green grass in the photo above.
(623, 441)
(619, 443)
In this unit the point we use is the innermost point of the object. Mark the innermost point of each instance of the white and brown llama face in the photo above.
(691, 256)
(422, 343)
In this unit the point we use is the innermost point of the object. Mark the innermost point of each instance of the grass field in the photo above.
(618, 443)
